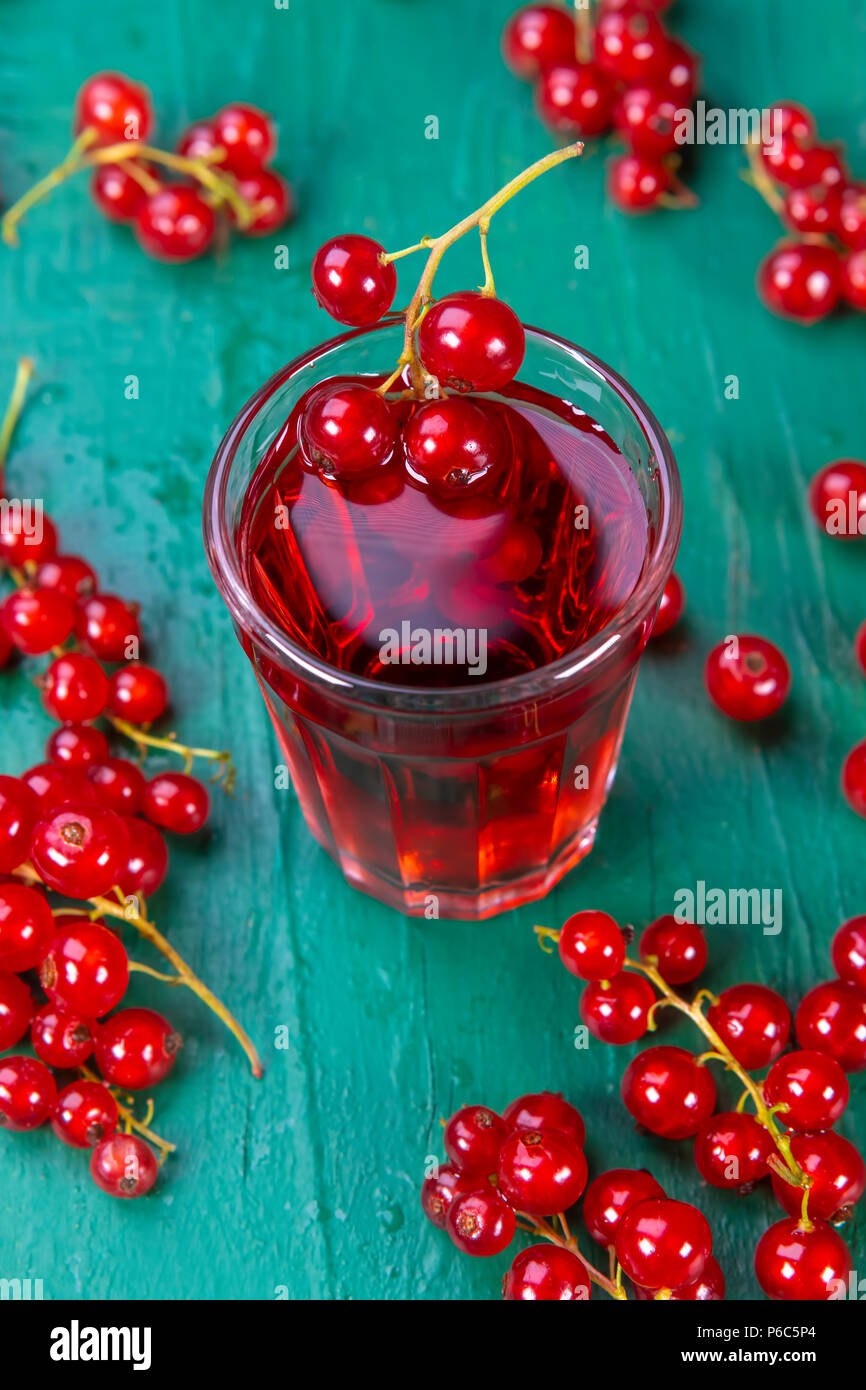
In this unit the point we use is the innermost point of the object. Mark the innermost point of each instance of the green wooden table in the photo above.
(308, 1180)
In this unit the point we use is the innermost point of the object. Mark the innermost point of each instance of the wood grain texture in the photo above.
(309, 1179)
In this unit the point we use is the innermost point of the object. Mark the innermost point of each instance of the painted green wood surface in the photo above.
(309, 1179)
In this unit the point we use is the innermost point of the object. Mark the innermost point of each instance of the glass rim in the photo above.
(574, 668)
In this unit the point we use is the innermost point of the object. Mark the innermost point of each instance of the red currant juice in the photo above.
(447, 811)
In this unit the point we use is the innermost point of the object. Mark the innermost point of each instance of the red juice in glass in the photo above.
(449, 677)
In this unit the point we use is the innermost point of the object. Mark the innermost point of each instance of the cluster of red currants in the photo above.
(466, 342)
(222, 164)
(615, 69)
(810, 187)
(747, 677)
(817, 1176)
(517, 1169)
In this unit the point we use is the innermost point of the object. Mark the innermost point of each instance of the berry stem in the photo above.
(141, 1127)
(226, 773)
(583, 30)
(757, 176)
(439, 245)
(12, 414)
(538, 1226)
(70, 164)
(488, 287)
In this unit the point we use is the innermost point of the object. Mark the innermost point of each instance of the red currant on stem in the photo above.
(113, 108)
(753, 1021)
(177, 802)
(117, 784)
(85, 970)
(124, 1166)
(119, 190)
(546, 1110)
(709, 1287)
(19, 811)
(26, 927)
(801, 281)
(854, 778)
(270, 198)
(646, 118)
(480, 1222)
(854, 280)
(353, 280)
(85, 1113)
(536, 37)
(27, 1093)
(471, 341)
(107, 626)
(747, 677)
(802, 1261)
(832, 1019)
(837, 498)
(636, 184)
(473, 1137)
(849, 952)
(138, 693)
(547, 1273)
(60, 1039)
(678, 949)
(663, 1244)
(75, 688)
(80, 850)
(68, 574)
(77, 745)
(17, 546)
(54, 784)
(147, 866)
(136, 1048)
(16, 1009)
(611, 1195)
(347, 431)
(732, 1150)
(671, 607)
(631, 45)
(836, 1173)
(617, 1011)
(852, 217)
(35, 620)
(454, 447)
(592, 946)
(439, 1190)
(668, 1092)
(247, 136)
(809, 1089)
(175, 224)
(576, 99)
(541, 1172)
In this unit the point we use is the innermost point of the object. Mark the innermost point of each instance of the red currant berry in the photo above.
(632, 46)
(647, 120)
(832, 1019)
(576, 99)
(67, 575)
(271, 198)
(592, 946)
(662, 1244)
(147, 867)
(198, 141)
(136, 1048)
(247, 135)
(802, 1266)
(546, 1110)
(837, 498)
(5, 648)
(175, 224)
(77, 745)
(802, 281)
(813, 211)
(352, 282)
(85, 1114)
(36, 620)
(837, 1173)
(787, 162)
(811, 1086)
(788, 118)
(117, 784)
(848, 952)
(635, 184)
(547, 1274)
(347, 431)
(852, 217)
(471, 342)
(439, 1190)
(481, 1222)
(137, 694)
(19, 812)
(669, 1093)
(537, 37)
(85, 970)
(27, 1093)
(611, 1195)
(616, 1011)
(671, 607)
(20, 543)
(473, 1138)
(26, 927)
(854, 280)
(682, 74)
(53, 785)
(177, 802)
(854, 778)
(117, 192)
(747, 677)
(107, 626)
(115, 107)
(860, 648)
(80, 850)
(541, 1172)
(754, 1022)
(16, 1009)
(453, 447)
(75, 688)
(732, 1149)
(124, 1166)
(678, 949)
(825, 166)
(60, 1039)
(708, 1288)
